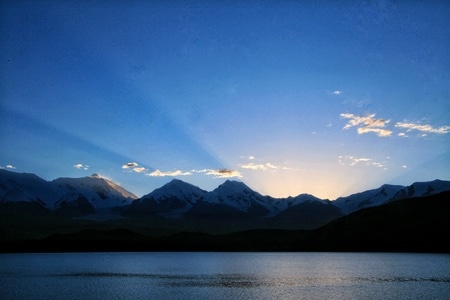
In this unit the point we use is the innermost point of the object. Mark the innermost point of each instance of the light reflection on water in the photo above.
(225, 276)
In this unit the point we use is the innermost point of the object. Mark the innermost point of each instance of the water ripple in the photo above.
(248, 281)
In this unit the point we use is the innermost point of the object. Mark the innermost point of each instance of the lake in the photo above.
(214, 275)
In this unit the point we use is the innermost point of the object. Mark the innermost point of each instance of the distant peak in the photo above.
(234, 182)
(95, 175)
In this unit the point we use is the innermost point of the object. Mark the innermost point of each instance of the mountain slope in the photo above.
(67, 193)
(100, 192)
(388, 193)
(239, 196)
(412, 224)
(171, 200)
(177, 206)
(26, 187)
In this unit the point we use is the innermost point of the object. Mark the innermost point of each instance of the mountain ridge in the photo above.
(178, 206)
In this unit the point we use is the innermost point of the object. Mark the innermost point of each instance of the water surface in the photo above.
(198, 275)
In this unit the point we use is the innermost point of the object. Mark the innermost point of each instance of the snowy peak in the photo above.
(231, 187)
(239, 196)
(368, 198)
(172, 200)
(176, 189)
(26, 187)
(100, 192)
(388, 193)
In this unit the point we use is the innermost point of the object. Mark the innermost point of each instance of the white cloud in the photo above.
(221, 173)
(135, 167)
(425, 128)
(367, 124)
(380, 132)
(81, 166)
(402, 134)
(353, 161)
(139, 169)
(159, 173)
(251, 157)
(263, 167)
(337, 92)
(10, 167)
(404, 167)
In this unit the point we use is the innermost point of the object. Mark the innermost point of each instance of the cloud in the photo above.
(336, 92)
(221, 173)
(426, 128)
(251, 157)
(135, 167)
(378, 131)
(139, 169)
(367, 124)
(159, 173)
(353, 161)
(130, 165)
(81, 166)
(10, 167)
(263, 167)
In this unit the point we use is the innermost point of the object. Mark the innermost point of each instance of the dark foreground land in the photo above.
(410, 225)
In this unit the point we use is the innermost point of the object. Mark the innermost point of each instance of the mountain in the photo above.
(31, 204)
(100, 192)
(388, 193)
(92, 192)
(240, 197)
(410, 225)
(171, 200)
(26, 187)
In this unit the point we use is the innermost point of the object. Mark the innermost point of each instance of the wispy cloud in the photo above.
(135, 167)
(139, 169)
(81, 166)
(425, 128)
(379, 131)
(159, 173)
(221, 173)
(367, 124)
(263, 167)
(353, 161)
(336, 92)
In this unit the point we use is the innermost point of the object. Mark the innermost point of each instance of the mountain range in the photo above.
(31, 207)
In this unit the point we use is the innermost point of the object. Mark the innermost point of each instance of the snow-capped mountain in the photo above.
(95, 191)
(388, 193)
(232, 205)
(100, 192)
(26, 187)
(368, 198)
(239, 196)
(171, 200)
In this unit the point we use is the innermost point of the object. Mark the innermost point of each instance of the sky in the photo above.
(328, 98)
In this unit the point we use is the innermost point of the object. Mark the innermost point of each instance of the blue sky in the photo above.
(289, 97)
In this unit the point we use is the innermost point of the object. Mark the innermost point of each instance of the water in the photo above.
(225, 276)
